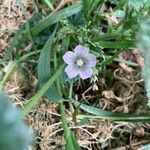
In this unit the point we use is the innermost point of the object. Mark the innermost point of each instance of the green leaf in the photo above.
(115, 44)
(89, 6)
(44, 70)
(126, 62)
(14, 134)
(49, 4)
(7, 74)
(75, 143)
(107, 115)
(122, 3)
(71, 142)
(54, 18)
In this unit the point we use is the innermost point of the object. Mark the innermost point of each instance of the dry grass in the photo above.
(11, 17)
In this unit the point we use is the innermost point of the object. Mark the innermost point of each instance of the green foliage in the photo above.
(44, 70)
(71, 143)
(143, 40)
(90, 7)
(49, 4)
(14, 134)
(102, 114)
(49, 20)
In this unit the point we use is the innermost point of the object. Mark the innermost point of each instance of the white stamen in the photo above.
(80, 62)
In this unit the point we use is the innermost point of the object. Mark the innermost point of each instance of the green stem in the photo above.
(117, 118)
(50, 5)
(70, 97)
(57, 80)
(36, 98)
(67, 133)
(9, 71)
(28, 55)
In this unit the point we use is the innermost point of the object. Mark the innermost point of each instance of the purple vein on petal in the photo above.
(69, 57)
(71, 71)
(81, 50)
(92, 60)
(84, 74)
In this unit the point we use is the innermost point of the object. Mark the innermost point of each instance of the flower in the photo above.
(80, 62)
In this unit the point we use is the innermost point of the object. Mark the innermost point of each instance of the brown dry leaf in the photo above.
(125, 109)
(42, 106)
(47, 130)
(140, 131)
(113, 19)
(126, 67)
(44, 147)
(103, 131)
(108, 94)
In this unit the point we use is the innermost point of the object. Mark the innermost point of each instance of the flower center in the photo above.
(80, 62)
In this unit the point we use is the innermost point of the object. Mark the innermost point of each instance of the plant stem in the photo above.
(23, 58)
(67, 133)
(57, 80)
(9, 71)
(117, 118)
(70, 97)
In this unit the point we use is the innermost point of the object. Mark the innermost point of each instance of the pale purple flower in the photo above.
(80, 62)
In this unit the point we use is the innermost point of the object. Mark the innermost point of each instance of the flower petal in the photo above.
(71, 71)
(92, 60)
(84, 74)
(69, 57)
(81, 50)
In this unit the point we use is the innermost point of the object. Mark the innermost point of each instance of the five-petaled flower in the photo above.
(80, 62)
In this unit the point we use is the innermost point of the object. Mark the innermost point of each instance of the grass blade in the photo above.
(71, 142)
(107, 115)
(49, 4)
(116, 44)
(64, 13)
